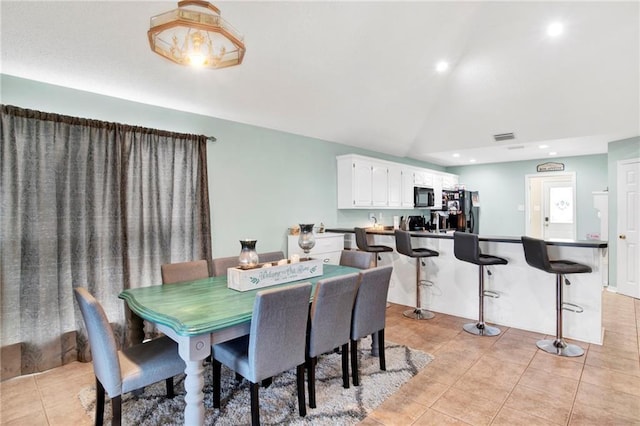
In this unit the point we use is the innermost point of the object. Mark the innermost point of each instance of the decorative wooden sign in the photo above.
(550, 167)
(250, 279)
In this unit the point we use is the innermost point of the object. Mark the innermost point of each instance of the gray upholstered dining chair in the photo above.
(271, 256)
(118, 372)
(356, 259)
(369, 313)
(184, 271)
(275, 344)
(330, 325)
(221, 264)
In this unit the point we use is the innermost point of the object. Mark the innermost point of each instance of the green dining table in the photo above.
(197, 314)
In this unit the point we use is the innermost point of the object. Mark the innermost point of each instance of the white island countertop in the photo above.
(527, 295)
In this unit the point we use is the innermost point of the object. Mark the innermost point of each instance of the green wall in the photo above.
(502, 190)
(261, 181)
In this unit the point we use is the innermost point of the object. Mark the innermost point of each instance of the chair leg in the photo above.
(216, 369)
(116, 409)
(99, 403)
(266, 382)
(354, 362)
(238, 377)
(169, 383)
(302, 406)
(255, 404)
(345, 366)
(383, 362)
(311, 380)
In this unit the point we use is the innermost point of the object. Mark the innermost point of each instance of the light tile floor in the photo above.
(502, 380)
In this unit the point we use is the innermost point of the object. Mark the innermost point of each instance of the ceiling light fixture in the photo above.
(473, 160)
(196, 37)
(543, 146)
(442, 66)
(552, 153)
(555, 29)
(456, 155)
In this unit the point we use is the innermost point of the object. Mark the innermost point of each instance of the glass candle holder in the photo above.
(306, 240)
(248, 256)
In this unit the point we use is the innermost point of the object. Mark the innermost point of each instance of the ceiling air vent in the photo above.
(515, 147)
(504, 137)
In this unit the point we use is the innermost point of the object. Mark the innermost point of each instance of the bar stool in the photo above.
(535, 252)
(403, 246)
(467, 249)
(361, 242)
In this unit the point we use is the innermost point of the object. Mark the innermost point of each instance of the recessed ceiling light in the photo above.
(473, 160)
(442, 66)
(555, 29)
(552, 153)
(456, 155)
(543, 146)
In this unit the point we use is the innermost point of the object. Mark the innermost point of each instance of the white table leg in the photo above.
(193, 384)
(192, 350)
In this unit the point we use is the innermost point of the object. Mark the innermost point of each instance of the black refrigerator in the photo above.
(463, 208)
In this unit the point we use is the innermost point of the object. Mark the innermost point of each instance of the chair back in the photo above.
(277, 336)
(104, 350)
(369, 309)
(184, 271)
(330, 314)
(535, 253)
(361, 239)
(403, 242)
(356, 259)
(466, 247)
(221, 264)
(271, 256)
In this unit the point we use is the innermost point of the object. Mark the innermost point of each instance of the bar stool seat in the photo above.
(403, 246)
(536, 255)
(361, 242)
(467, 248)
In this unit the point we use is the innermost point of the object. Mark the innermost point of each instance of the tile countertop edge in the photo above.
(493, 239)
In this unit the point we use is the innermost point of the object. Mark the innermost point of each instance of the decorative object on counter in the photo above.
(294, 230)
(321, 228)
(248, 256)
(536, 255)
(279, 273)
(467, 248)
(306, 241)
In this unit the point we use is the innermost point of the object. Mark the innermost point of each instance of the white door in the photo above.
(559, 209)
(551, 205)
(628, 237)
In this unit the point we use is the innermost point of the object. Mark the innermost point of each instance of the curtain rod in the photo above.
(211, 138)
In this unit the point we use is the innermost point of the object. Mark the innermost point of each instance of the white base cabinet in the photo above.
(328, 248)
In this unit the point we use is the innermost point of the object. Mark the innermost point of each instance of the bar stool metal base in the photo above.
(560, 347)
(481, 329)
(419, 314)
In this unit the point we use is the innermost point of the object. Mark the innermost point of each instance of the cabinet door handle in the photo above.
(622, 237)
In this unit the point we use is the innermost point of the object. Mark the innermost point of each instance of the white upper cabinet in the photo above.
(365, 182)
(395, 186)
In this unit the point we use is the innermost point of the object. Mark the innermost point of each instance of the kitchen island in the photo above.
(527, 295)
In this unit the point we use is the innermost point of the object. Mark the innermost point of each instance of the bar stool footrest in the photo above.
(480, 329)
(418, 314)
(560, 347)
(572, 307)
(491, 294)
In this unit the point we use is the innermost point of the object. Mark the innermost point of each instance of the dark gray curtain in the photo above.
(92, 204)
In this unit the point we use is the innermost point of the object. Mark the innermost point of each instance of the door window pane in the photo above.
(560, 204)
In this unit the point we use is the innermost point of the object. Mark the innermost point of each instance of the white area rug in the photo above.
(278, 402)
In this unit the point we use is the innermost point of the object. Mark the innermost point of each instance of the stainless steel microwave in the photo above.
(423, 197)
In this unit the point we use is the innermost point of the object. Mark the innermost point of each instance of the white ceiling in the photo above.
(363, 73)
